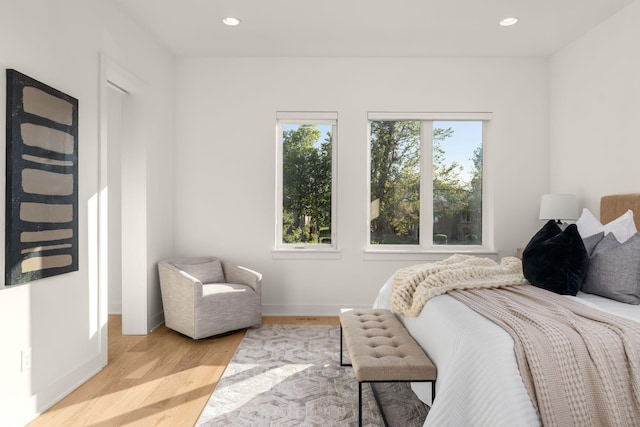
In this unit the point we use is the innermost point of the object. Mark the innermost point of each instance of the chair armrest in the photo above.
(242, 276)
(179, 283)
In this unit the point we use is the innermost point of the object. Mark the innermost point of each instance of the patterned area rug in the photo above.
(290, 375)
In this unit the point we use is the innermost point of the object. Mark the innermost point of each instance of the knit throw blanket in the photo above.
(414, 286)
(580, 365)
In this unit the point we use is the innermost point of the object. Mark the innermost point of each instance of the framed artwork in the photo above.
(41, 237)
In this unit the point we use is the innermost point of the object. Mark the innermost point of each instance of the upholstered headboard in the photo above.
(611, 207)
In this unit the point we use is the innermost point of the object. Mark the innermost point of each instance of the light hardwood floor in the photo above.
(160, 379)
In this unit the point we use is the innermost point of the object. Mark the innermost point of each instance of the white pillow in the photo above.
(622, 227)
(588, 225)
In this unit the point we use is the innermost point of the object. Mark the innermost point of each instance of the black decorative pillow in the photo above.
(556, 260)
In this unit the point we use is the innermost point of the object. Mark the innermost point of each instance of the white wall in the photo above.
(63, 318)
(595, 110)
(225, 159)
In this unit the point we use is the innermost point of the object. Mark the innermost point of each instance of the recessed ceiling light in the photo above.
(507, 22)
(232, 22)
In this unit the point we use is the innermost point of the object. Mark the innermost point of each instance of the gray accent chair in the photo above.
(207, 296)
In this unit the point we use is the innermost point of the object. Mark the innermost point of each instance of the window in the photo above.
(306, 183)
(426, 180)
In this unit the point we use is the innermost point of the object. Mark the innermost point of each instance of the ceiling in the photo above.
(364, 28)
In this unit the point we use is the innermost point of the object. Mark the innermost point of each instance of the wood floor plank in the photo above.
(160, 379)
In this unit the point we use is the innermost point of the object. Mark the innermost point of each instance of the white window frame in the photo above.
(426, 250)
(308, 250)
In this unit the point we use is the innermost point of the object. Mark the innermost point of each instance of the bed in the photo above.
(479, 382)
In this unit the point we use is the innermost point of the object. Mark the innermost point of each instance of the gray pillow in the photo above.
(614, 270)
(591, 242)
(206, 272)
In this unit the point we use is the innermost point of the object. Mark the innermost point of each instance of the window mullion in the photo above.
(426, 184)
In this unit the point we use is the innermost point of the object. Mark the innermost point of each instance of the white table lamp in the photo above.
(559, 207)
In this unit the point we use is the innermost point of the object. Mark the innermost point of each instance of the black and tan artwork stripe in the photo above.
(42, 180)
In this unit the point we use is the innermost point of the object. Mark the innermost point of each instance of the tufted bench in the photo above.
(381, 350)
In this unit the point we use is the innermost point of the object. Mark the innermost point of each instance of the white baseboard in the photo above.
(156, 320)
(115, 307)
(306, 310)
(32, 407)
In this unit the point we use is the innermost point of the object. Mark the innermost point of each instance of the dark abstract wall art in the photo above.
(41, 237)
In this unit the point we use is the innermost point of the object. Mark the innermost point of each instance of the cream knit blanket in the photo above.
(414, 286)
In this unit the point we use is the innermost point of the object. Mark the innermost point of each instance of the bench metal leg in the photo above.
(341, 364)
(342, 349)
(359, 404)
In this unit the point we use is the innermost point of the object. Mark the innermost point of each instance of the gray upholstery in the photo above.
(200, 310)
(614, 270)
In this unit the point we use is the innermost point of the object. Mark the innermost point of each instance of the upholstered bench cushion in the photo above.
(381, 349)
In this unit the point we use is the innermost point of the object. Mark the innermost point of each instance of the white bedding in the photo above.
(479, 382)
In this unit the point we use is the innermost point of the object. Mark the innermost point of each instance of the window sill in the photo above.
(424, 255)
(306, 253)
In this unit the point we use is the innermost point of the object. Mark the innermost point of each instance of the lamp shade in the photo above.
(559, 206)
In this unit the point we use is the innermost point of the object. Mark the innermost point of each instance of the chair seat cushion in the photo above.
(223, 288)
